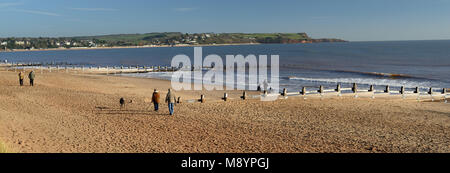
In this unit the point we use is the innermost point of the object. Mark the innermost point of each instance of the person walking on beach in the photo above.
(155, 100)
(31, 77)
(170, 99)
(21, 78)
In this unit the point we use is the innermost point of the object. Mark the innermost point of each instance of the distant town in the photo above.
(156, 39)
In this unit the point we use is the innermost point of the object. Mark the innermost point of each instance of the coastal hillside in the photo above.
(160, 39)
(207, 38)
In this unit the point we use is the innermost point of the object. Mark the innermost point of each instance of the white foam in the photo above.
(369, 81)
(168, 76)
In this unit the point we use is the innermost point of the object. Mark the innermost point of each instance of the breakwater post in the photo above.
(225, 97)
(202, 98)
(244, 95)
(338, 88)
(355, 88)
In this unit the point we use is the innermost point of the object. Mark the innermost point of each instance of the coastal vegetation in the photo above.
(158, 39)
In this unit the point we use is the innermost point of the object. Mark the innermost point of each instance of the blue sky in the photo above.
(354, 20)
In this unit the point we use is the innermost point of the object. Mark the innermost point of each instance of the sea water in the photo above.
(411, 64)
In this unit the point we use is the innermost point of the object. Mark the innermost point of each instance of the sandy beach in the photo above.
(67, 112)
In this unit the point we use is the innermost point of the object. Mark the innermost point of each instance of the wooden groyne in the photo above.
(68, 67)
(419, 94)
(87, 69)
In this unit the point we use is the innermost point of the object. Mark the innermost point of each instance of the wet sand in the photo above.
(80, 113)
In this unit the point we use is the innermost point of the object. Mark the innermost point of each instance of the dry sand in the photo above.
(80, 113)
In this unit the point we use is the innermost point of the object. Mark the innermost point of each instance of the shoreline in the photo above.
(133, 72)
(125, 47)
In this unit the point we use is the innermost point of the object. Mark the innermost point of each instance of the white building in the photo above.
(92, 44)
(20, 42)
(4, 43)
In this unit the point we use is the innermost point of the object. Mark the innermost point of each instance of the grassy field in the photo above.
(293, 36)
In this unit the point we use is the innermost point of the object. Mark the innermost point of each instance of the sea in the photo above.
(411, 64)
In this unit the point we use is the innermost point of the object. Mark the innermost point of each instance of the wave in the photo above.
(391, 75)
(409, 83)
(168, 76)
(369, 81)
(379, 74)
(375, 74)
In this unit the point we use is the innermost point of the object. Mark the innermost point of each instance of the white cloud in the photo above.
(38, 12)
(9, 4)
(94, 9)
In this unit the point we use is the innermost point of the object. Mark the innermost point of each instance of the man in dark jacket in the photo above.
(31, 76)
(155, 99)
